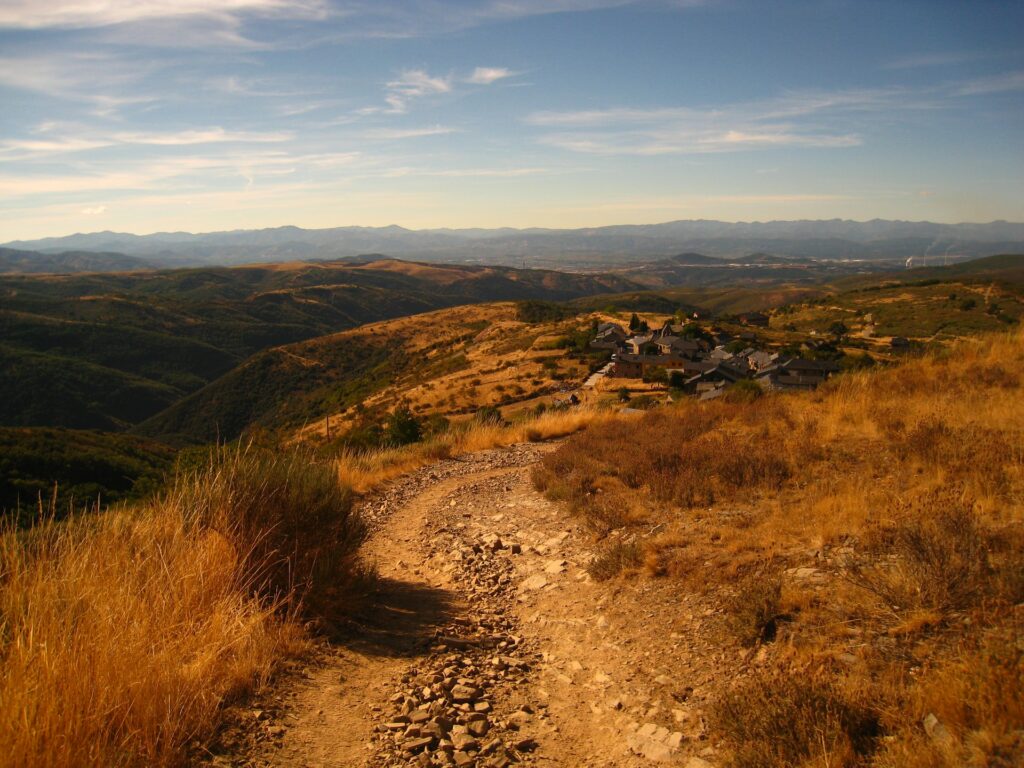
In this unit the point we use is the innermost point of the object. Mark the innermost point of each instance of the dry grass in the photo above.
(365, 471)
(790, 720)
(123, 633)
(893, 502)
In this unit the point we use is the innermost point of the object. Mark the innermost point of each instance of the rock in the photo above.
(526, 745)
(555, 566)
(462, 759)
(415, 745)
(478, 728)
(697, 762)
(463, 693)
(465, 742)
(534, 582)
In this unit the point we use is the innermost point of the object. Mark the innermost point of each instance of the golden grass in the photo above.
(124, 632)
(365, 471)
(902, 491)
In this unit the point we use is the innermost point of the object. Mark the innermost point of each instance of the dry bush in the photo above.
(974, 709)
(753, 610)
(683, 456)
(935, 556)
(614, 559)
(287, 517)
(793, 719)
(124, 633)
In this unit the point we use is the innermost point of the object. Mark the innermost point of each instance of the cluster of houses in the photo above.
(700, 363)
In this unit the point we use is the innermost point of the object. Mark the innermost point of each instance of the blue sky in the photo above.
(200, 115)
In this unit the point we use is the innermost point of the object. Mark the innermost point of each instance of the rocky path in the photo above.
(489, 645)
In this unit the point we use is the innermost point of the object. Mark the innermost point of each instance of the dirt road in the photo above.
(490, 645)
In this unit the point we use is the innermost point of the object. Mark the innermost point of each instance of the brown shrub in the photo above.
(615, 558)
(935, 556)
(791, 719)
(753, 610)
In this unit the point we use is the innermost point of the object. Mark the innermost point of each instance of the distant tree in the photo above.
(677, 379)
(623, 395)
(695, 331)
(634, 322)
(967, 305)
(838, 328)
(656, 375)
(402, 428)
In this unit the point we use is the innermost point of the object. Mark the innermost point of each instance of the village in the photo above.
(707, 362)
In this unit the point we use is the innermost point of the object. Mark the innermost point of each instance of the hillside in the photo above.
(81, 467)
(448, 362)
(17, 261)
(111, 350)
(755, 269)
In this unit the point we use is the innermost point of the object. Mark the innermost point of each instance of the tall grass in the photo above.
(122, 634)
(893, 503)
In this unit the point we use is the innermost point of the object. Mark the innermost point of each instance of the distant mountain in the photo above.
(109, 350)
(595, 246)
(65, 262)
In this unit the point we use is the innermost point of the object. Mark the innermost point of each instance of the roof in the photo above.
(818, 366)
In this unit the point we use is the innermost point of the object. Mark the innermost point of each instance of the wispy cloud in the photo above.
(488, 75)
(34, 14)
(215, 135)
(825, 119)
(406, 133)
(692, 131)
(1002, 83)
(410, 85)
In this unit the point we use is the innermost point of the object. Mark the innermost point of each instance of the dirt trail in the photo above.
(489, 645)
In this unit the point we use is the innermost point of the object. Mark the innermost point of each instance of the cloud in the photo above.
(406, 133)
(684, 130)
(1002, 83)
(40, 14)
(488, 75)
(95, 210)
(215, 135)
(411, 84)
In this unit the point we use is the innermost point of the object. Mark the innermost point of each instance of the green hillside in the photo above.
(86, 466)
(110, 350)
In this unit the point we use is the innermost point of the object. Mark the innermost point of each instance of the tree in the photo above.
(634, 322)
(402, 428)
(838, 328)
(623, 395)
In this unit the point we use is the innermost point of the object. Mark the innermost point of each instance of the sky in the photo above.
(207, 115)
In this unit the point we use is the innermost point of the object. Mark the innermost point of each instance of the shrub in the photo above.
(744, 391)
(753, 610)
(289, 521)
(402, 428)
(489, 415)
(934, 556)
(614, 559)
(793, 720)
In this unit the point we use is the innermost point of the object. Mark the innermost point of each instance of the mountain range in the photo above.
(833, 239)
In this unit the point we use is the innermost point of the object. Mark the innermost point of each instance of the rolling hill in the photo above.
(110, 350)
(16, 261)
